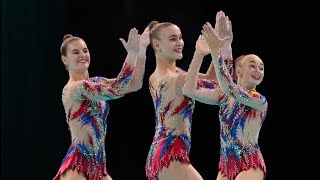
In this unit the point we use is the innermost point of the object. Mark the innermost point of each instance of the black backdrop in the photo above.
(34, 133)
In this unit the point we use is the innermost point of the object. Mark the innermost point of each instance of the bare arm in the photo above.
(138, 73)
(106, 89)
(223, 28)
(98, 88)
(225, 81)
(190, 88)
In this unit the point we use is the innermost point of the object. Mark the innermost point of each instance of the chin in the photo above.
(179, 57)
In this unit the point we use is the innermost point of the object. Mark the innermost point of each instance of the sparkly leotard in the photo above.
(240, 124)
(86, 106)
(172, 139)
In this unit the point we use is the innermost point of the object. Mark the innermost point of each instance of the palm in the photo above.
(132, 45)
(223, 27)
(144, 38)
(212, 38)
(202, 46)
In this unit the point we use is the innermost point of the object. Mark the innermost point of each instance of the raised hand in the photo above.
(144, 38)
(202, 46)
(213, 40)
(223, 27)
(133, 44)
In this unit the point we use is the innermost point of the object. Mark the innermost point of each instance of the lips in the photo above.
(179, 50)
(255, 76)
(82, 61)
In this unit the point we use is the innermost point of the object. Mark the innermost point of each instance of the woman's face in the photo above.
(78, 56)
(171, 43)
(251, 70)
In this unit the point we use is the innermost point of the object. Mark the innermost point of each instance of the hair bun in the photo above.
(67, 36)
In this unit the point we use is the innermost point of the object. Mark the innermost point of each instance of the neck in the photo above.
(166, 65)
(78, 76)
(250, 87)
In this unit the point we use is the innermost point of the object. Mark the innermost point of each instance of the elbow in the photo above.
(211, 76)
(225, 90)
(135, 87)
(187, 92)
(138, 87)
(258, 107)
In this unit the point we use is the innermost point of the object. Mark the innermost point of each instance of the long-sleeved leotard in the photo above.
(241, 115)
(173, 113)
(86, 106)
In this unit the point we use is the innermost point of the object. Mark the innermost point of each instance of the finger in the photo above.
(206, 30)
(134, 34)
(209, 29)
(130, 34)
(217, 17)
(230, 26)
(204, 34)
(124, 43)
(209, 24)
(138, 38)
(221, 24)
(222, 13)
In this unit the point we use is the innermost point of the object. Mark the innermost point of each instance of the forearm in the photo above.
(131, 59)
(223, 77)
(210, 74)
(138, 73)
(123, 80)
(190, 85)
(226, 53)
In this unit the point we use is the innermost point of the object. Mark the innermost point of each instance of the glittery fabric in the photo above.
(86, 106)
(240, 124)
(173, 120)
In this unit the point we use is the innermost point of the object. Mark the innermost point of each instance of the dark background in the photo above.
(34, 133)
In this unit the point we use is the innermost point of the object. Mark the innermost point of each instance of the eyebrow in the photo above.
(255, 62)
(78, 49)
(174, 36)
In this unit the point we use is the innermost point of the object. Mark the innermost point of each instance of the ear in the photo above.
(238, 71)
(156, 44)
(64, 60)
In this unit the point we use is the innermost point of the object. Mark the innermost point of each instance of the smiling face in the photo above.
(250, 71)
(77, 58)
(167, 41)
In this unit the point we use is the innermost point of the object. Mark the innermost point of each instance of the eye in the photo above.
(173, 39)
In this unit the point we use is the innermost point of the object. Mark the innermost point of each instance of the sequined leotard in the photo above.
(86, 106)
(240, 124)
(172, 139)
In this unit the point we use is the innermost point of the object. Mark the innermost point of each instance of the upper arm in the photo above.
(205, 95)
(206, 91)
(250, 98)
(95, 91)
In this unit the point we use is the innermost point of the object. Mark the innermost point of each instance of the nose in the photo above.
(82, 54)
(180, 41)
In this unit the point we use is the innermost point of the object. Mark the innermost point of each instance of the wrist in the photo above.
(199, 54)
